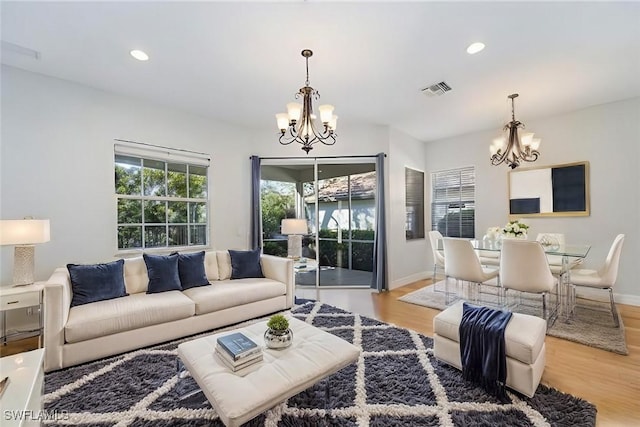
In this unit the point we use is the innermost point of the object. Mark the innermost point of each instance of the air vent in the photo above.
(436, 89)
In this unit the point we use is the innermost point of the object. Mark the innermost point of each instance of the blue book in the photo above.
(238, 345)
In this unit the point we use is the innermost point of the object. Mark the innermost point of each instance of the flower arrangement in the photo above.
(515, 229)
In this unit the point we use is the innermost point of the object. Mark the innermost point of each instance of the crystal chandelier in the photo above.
(511, 148)
(298, 123)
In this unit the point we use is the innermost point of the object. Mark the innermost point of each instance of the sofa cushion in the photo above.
(226, 294)
(211, 265)
(191, 270)
(163, 273)
(245, 264)
(96, 282)
(124, 314)
(224, 265)
(136, 278)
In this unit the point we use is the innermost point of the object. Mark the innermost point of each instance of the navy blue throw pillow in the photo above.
(163, 273)
(245, 264)
(96, 282)
(191, 270)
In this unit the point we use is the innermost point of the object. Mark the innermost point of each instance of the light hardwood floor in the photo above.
(609, 381)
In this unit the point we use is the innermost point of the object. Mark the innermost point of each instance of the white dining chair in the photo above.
(555, 261)
(462, 264)
(524, 268)
(604, 278)
(438, 257)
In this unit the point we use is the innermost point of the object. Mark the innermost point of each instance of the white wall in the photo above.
(608, 136)
(407, 258)
(57, 163)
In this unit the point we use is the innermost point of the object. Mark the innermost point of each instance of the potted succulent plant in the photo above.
(278, 335)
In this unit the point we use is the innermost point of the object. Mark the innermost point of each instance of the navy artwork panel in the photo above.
(569, 189)
(524, 206)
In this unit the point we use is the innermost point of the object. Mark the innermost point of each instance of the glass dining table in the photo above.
(566, 251)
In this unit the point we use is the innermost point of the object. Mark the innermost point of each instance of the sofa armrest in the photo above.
(57, 301)
(280, 269)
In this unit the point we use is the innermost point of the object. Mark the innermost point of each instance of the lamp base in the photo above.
(23, 265)
(294, 246)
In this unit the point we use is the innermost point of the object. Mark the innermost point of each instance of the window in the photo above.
(453, 202)
(162, 197)
(414, 190)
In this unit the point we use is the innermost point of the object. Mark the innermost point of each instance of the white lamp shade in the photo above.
(499, 143)
(526, 139)
(333, 123)
(283, 121)
(326, 112)
(294, 226)
(24, 231)
(294, 110)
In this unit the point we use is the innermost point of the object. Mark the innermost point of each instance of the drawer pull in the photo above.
(12, 302)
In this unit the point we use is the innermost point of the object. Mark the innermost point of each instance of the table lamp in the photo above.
(295, 228)
(23, 234)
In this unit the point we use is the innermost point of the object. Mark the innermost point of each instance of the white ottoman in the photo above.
(524, 342)
(314, 355)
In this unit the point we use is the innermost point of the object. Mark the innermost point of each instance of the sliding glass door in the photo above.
(336, 197)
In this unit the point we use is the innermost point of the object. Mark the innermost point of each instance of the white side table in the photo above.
(21, 297)
(21, 401)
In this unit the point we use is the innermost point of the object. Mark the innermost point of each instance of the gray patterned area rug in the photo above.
(396, 382)
(592, 323)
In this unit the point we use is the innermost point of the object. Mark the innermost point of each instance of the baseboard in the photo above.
(627, 299)
(410, 279)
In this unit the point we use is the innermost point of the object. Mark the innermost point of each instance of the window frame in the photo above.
(449, 203)
(140, 153)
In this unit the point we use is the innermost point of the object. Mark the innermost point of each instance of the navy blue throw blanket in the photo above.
(482, 348)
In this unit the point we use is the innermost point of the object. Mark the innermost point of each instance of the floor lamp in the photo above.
(295, 229)
(24, 234)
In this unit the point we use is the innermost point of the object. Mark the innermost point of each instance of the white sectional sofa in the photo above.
(74, 335)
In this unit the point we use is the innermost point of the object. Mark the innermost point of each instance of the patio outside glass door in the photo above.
(337, 198)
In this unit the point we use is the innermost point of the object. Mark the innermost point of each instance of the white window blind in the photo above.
(162, 197)
(453, 202)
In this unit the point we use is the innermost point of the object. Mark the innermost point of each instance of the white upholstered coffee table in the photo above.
(314, 355)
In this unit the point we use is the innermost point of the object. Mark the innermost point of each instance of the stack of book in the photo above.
(237, 351)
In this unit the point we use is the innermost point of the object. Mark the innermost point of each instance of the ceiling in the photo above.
(240, 62)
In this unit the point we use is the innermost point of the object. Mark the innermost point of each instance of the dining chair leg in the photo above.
(447, 292)
(544, 307)
(616, 321)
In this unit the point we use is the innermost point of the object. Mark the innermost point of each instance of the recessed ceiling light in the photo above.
(139, 55)
(475, 48)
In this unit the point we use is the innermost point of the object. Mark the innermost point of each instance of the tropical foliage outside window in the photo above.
(346, 228)
(160, 204)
